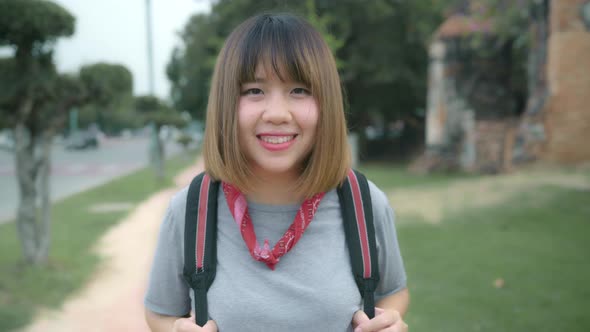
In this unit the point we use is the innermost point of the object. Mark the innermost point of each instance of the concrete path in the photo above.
(113, 299)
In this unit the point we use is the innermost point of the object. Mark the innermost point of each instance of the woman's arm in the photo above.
(159, 323)
(389, 313)
(162, 323)
(398, 301)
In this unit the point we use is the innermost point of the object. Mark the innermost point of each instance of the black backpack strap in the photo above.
(357, 214)
(200, 241)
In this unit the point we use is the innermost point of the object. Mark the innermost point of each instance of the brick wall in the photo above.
(567, 118)
(494, 142)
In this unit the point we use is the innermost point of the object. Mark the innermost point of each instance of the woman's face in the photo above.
(276, 124)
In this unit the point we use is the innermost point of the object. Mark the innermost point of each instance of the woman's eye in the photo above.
(301, 91)
(253, 91)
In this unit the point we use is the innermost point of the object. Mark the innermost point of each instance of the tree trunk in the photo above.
(33, 178)
(531, 135)
(44, 163)
(27, 211)
(160, 171)
(537, 59)
(157, 152)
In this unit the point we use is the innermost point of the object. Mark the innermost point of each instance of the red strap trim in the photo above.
(361, 223)
(202, 221)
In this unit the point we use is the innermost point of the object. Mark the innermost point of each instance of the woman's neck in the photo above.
(275, 190)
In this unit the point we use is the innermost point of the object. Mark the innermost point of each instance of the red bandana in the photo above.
(239, 208)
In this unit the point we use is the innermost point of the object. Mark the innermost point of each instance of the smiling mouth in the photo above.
(276, 139)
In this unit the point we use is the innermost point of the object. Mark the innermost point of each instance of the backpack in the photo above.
(200, 238)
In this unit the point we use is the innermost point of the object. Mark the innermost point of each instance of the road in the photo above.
(75, 171)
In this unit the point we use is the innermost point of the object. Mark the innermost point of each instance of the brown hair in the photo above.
(293, 49)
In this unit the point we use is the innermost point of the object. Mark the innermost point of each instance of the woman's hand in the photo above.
(384, 321)
(189, 325)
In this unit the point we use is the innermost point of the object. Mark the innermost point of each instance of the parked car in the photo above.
(82, 141)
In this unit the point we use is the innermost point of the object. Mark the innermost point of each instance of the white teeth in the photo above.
(277, 139)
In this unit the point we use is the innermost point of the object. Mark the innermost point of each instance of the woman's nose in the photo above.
(277, 110)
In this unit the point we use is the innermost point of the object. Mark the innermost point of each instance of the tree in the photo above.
(157, 114)
(191, 66)
(525, 26)
(110, 89)
(33, 97)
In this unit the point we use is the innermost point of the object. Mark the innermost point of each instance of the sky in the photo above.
(114, 31)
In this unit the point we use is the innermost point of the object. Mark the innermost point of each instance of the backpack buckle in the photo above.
(197, 280)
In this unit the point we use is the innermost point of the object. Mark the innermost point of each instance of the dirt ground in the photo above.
(431, 204)
(112, 301)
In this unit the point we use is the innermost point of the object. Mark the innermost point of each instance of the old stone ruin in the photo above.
(485, 114)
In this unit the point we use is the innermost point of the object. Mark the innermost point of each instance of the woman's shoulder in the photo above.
(379, 198)
(177, 204)
(382, 209)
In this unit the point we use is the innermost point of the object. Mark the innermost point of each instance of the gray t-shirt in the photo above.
(312, 287)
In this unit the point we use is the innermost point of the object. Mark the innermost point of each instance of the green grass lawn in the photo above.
(74, 231)
(538, 244)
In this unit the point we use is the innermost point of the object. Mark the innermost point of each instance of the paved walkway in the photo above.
(112, 300)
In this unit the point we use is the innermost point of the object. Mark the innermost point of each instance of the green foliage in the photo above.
(513, 33)
(27, 22)
(191, 66)
(106, 83)
(385, 55)
(511, 20)
(154, 110)
(9, 88)
(69, 88)
(31, 27)
(109, 87)
(323, 24)
(148, 104)
(25, 75)
(64, 92)
(52, 93)
(113, 118)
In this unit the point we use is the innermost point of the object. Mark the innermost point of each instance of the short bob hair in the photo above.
(293, 50)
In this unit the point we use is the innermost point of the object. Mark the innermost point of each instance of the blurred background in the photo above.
(473, 116)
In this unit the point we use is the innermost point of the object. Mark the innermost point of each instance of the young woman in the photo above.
(276, 138)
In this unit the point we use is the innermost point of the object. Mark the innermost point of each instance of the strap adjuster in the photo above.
(197, 280)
